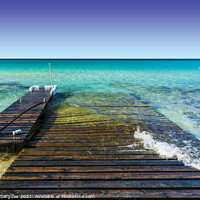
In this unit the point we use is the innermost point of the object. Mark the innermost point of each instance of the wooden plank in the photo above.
(87, 148)
(121, 105)
(89, 134)
(11, 115)
(81, 145)
(97, 168)
(98, 141)
(93, 157)
(11, 141)
(99, 163)
(104, 176)
(9, 137)
(80, 137)
(94, 184)
(67, 130)
(102, 194)
(65, 153)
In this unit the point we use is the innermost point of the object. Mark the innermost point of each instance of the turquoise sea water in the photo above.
(172, 87)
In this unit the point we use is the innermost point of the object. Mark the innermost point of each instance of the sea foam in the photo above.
(185, 154)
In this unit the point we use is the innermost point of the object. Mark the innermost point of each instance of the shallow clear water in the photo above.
(172, 87)
(5, 162)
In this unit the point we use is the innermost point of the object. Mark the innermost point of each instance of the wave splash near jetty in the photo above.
(188, 154)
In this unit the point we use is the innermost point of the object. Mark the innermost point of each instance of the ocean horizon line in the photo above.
(99, 58)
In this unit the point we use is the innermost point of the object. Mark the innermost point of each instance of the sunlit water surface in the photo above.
(171, 87)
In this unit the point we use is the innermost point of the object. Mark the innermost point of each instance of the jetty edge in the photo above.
(22, 119)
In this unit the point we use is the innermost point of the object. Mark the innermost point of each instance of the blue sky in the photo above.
(99, 29)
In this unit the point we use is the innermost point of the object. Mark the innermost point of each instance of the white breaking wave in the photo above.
(185, 154)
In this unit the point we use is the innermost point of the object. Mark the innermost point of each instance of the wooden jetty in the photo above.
(25, 115)
(90, 152)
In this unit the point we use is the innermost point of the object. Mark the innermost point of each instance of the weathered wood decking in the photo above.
(23, 114)
(80, 154)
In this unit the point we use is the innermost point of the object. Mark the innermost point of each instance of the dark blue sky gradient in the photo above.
(99, 28)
